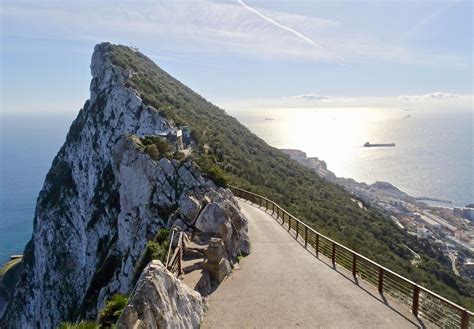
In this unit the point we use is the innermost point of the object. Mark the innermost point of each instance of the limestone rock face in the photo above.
(102, 200)
(162, 301)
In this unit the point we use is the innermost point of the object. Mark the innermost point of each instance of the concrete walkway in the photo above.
(281, 285)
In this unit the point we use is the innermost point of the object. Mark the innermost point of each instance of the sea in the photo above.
(433, 156)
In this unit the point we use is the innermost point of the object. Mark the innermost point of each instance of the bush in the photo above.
(112, 310)
(179, 156)
(80, 325)
(157, 147)
(217, 175)
(152, 151)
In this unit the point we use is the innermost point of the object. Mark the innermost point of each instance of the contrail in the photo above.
(286, 28)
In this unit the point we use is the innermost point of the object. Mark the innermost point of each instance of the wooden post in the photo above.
(180, 261)
(333, 256)
(297, 229)
(354, 265)
(380, 280)
(317, 244)
(306, 236)
(465, 320)
(416, 300)
(289, 222)
(273, 208)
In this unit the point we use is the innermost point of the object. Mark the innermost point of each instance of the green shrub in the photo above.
(80, 325)
(112, 310)
(162, 236)
(152, 151)
(179, 156)
(217, 175)
(157, 147)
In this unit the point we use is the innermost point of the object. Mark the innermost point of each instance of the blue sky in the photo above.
(247, 53)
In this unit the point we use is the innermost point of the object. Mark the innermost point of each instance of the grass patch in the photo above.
(113, 309)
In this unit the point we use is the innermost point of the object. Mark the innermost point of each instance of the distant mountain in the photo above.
(99, 206)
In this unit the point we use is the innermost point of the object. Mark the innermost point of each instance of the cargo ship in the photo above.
(367, 144)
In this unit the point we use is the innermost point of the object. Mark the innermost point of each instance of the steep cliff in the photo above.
(104, 197)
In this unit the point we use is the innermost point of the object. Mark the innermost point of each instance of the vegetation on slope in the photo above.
(231, 153)
(9, 274)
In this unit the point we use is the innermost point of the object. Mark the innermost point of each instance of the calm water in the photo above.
(27, 148)
(433, 156)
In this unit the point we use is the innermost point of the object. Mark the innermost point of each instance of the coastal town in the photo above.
(449, 228)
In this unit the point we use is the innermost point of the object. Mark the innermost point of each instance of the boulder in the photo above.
(244, 243)
(189, 208)
(162, 301)
(213, 219)
(225, 220)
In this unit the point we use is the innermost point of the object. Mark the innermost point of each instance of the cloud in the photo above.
(187, 28)
(431, 96)
(310, 97)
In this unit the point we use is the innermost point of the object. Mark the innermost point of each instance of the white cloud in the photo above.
(310, 97)
(203, 26)
(426, 102)
(431, 96)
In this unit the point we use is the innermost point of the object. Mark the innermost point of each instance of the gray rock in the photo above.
(213, 219)
(162, 301)
(224, 220)
(167, 166)
(189, 207)
(244, 243)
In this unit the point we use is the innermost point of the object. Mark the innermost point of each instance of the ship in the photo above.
(367, 144)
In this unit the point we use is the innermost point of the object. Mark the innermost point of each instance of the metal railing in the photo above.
(174, 264)
(422, 302)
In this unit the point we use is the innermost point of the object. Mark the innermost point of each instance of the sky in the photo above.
(247, 53)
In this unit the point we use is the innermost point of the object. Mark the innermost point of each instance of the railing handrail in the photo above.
(416, 286)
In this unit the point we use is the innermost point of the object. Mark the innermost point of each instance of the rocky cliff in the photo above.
(103, 199)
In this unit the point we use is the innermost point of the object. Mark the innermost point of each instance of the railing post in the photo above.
(259, 201)
(465, 320)
(306, 236)
(317, 244)
(354, 265)
(381, 280)
(297, 229)
(333, 255)
(273, 208)
(289, 222)
(416, 300)
(180, 260)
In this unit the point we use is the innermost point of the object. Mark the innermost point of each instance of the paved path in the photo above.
(281, 285)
